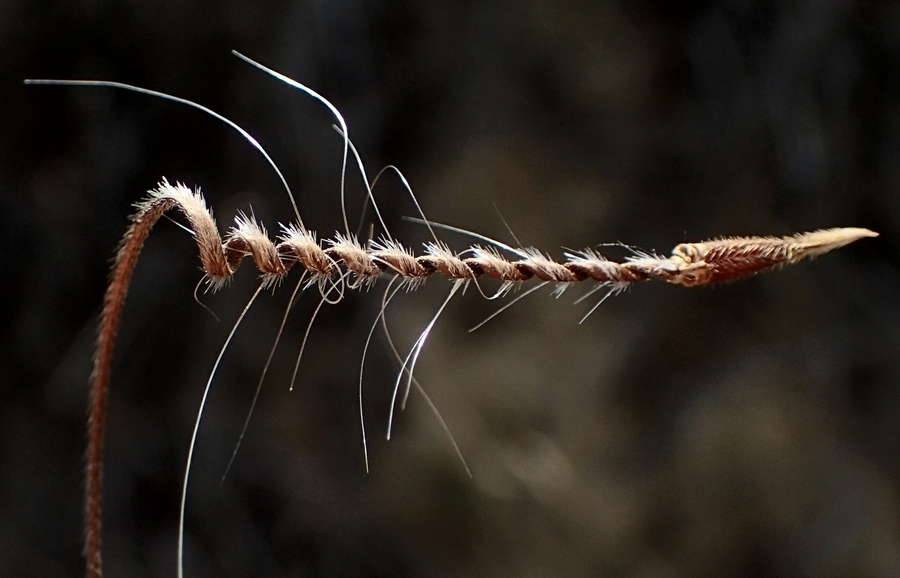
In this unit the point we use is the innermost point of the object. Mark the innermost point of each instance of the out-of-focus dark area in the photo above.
(750, 429)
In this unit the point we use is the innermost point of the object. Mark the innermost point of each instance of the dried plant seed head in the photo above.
(691, 264)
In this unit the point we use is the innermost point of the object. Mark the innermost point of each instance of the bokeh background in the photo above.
(747, 430)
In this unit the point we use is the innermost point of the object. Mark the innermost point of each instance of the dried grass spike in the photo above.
(343, 258)
(691, 264)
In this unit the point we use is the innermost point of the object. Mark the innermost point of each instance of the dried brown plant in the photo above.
(343, 262)
(690, 265)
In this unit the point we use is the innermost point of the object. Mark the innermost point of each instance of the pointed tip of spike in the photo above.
(826, 240)
(850, 234)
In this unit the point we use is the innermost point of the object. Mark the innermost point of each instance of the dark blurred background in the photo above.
(747, 430)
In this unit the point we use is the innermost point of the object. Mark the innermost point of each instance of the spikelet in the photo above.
(733, 258)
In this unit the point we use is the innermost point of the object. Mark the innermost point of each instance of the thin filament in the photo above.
(190, 103)
(312, 319)
(190, 457)
(508, 305)
(428, 400)
(413, 355)
(331, 107)
(385, 300)
(262, 377)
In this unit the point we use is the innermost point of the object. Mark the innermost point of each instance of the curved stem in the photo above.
(113, 302)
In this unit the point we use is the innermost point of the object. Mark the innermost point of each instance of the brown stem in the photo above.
(217, 270)
(113, 302)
